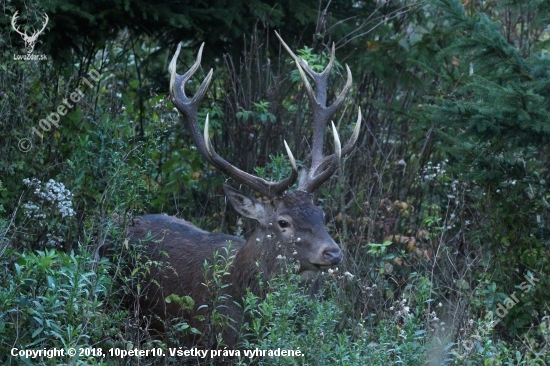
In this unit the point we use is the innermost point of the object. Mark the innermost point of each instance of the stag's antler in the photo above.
(46, 19)
(323, 167)
(188, 106)
(14, 22)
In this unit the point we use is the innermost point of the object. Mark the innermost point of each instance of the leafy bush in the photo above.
(51, 299)
(290, 319)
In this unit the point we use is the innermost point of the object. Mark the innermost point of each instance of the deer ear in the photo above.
(245, 205)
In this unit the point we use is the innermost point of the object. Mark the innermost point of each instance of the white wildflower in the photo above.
(348, 275)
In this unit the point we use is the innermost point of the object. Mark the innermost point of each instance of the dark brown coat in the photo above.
(290, 231)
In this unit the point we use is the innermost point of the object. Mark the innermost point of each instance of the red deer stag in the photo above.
(289, 224)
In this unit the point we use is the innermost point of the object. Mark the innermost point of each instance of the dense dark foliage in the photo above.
(442, 210)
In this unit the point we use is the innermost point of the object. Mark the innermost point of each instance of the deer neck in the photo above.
(260, 258)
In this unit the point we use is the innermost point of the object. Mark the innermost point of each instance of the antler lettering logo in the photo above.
(30, 41)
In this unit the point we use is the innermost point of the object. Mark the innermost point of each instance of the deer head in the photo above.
(289, 224)
(30, 41)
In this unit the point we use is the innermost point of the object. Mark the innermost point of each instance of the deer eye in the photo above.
(283, 224)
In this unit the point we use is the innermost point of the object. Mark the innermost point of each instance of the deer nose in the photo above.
(333, 255)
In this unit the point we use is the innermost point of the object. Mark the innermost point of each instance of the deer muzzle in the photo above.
(333, 256)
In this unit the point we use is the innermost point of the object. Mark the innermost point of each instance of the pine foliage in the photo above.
(494, 121)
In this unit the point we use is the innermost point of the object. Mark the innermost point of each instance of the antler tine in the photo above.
(354, 136)
(321, 115)
(291, 157)
(14, 23)
(313, 174)
(45, 24)
(188, 107)
(312, 182)
(319, 78)
(182, 79)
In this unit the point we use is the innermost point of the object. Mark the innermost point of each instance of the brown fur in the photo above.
(305, 240)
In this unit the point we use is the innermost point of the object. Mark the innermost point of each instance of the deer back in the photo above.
(177, 251)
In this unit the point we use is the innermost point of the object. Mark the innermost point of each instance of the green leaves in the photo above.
(48, 289)
(261, 112)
